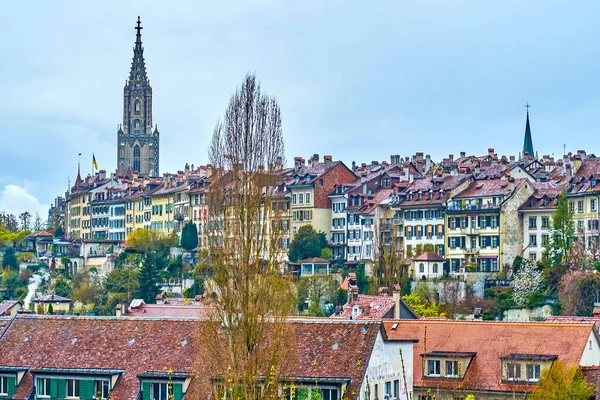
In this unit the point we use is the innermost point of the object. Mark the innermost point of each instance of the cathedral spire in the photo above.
(138, 65)
(528, 142)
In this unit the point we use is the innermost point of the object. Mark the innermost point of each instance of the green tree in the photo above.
(306, 244)
(562, 235)
(317, 289)
(62, 288)
(10, 282)
(420, 306)
(189, 236)
(9, 261)
(561, 382)
(59, 231)
(152, 264)
(50, 309)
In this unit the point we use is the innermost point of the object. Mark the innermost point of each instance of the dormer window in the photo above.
(433, 367)
(525, 367)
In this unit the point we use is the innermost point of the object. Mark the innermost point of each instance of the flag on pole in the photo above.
(94, 161)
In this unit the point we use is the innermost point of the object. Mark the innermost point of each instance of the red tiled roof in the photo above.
(429, 256)
(493, 187)
(373, 307)
(170, 310)
(6, 305)
(490, 340)
(319, 348)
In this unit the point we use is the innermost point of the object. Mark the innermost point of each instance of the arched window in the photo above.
(435, 268)
(421, 267)
(136, 124)
(137, 107)
(136, 158)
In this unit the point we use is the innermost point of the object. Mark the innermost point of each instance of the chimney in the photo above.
(512, 159)
(396, 296)
(209, 170)
(327, 162)
(120, 310)
(490, 151)
(596, 312)
(576, 162)
(463, 154)
(279, 163)
(419, 156)
(374, 163)
(353, 166)
(451, 158)
(352, 288)
(568, 172)
(315, 158)
(102, 174)
(511, 183)
(161, 298)
(297, 163)
(187, 170)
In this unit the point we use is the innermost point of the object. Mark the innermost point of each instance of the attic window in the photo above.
(365, 329)
(131, 341)
(335, 346)
(74, 340)
(394, 326)
(479, 186)
(183, 343)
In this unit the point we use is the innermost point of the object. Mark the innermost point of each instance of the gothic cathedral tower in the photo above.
(137, 143)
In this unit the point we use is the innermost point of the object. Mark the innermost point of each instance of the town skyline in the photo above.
(79, 95)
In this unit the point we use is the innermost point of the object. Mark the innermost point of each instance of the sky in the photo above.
(355, 80)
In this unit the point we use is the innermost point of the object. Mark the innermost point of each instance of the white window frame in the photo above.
(300, 198)
(535, 372)
(580, 206)
(160, 387)
(72, 385)
(102, 388)
(294, 198)
(512, 367)
(434, 362)
(307, 197)
(3, 386)
(43, 383)
(453, 370)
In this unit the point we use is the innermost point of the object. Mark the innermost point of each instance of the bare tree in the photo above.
(251, 297)
(389, 266)
(38, 223)
(25, 218)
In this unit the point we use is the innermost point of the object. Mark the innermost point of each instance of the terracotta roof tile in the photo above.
(490, 340)
(320, 347)
(429, 256)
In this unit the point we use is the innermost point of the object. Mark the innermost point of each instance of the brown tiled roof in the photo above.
(429, 256)
(493, 187)
(320, 348)
(545, 196)
(6, 305)
(490, 340)
(170, 310)
(373, 307)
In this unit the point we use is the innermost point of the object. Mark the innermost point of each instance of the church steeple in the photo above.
(138, 65)
(138, 144)
(528, 142)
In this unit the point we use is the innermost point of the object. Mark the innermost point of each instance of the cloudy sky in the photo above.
(357, 80)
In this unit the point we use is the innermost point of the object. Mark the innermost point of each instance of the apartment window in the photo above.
(513, 372)
(396, 388)
(388, 389)
(533, 240)
(320, 182)
(593, 204)
(101, 389)
(532, 222)
(307, 198)
(545, 240)
(533, 256)
(494, 221)
(571, 206)
(159, 391)
(307, 215)
(452, 368)
(435, 268)
(329, 394)
(580, 206)
(421, 268)
(545, 222)
(72, 388)
(376, 392)
(533, 372)
(300, 198)
(294, 198)
(3, 385)
(433, 367)
(43, 387)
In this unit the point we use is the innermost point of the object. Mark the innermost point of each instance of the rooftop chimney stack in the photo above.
(327, 162)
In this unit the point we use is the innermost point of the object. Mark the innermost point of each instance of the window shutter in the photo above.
(177, 391)
(86, 390)
(145, 390)
(11, 385)
(53, 388)
(61, 386)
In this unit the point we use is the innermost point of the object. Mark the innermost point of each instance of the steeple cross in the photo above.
(138, 28)
(527, 106)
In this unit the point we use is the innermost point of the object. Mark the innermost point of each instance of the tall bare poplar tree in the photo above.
(247, 335)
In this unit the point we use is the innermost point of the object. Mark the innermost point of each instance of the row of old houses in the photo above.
(143, 357)
(477, 213)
